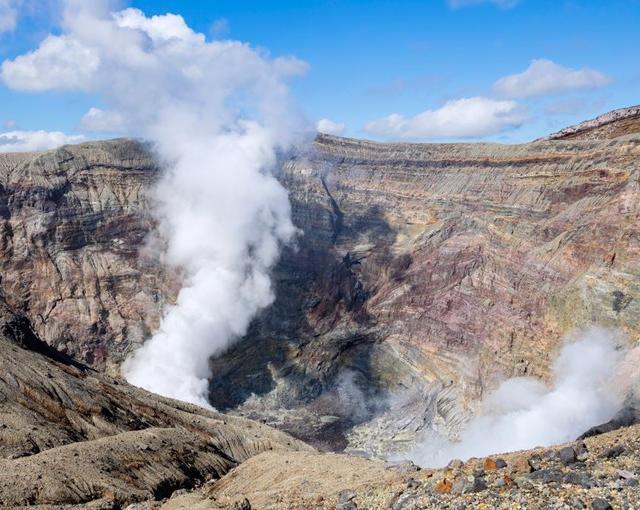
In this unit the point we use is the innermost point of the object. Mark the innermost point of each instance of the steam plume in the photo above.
(217, 113)
(523, 413)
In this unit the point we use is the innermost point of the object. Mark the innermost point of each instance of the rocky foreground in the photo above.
(598, 473)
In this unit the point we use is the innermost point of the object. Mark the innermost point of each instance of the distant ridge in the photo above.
(616, 123)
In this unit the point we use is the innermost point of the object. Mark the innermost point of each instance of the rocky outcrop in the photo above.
(73, 223)
(423, 272)
(440, 268)
(70, 436)
(610, 125)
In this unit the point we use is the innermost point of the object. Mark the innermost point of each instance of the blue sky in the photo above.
(370, 59)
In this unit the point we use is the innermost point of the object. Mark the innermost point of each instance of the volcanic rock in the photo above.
(71, 436)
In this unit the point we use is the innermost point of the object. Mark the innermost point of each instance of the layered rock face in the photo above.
(427, 272)
(423, 272)
(72, 226)
(619, 122)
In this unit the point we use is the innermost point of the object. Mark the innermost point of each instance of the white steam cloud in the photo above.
(218, 113)
(589, 383)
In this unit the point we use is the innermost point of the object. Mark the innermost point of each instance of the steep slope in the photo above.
(428, 271)
(72, 224)
(423, 272)
(70, 436)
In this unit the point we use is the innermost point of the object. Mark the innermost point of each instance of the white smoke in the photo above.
(217, 113)
(589, 384)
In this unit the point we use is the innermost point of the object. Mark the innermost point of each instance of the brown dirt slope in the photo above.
(69, 435)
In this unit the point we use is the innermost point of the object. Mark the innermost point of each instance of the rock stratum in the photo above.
(423, 274)
(426, 272)
(73, 223)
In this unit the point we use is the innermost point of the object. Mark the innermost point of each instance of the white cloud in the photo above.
(10, 124)
(544, 77)
(8, 16)
(25, 141)
(103, 121)
(459, 118)
(329, 127)
(59, 63)
(159, 28)
(457, 4)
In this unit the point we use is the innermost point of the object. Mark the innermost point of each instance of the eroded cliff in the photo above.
(73, 223)
(422, 274)
(426, 272)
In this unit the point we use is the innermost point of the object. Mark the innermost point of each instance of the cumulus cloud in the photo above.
(329, 127)
(457, 4)
(103, 121)
(590, 379)
(544, 77)
(60, 62)
(24, 141)
(8, 15)
(459, 118)
(218, 114)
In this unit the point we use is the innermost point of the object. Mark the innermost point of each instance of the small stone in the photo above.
(600, 504)
(455, 464)
(582, 452)
(626, 475)
(444, 486)
(521, 465)
(346, 495)
(403, 466)
(614, 452)
(581, 479)
(567, 455)
(501, 463)
(405, 501)
(577, 503)
(479, 484)
(535, 462)
(489, 464)
(469, 484)
(546, 476)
